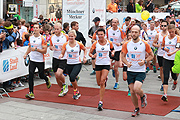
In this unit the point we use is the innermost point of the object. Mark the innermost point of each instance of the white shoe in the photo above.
(65, 89)
(20, 84)
(14, 85)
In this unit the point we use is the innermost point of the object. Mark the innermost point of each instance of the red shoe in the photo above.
(135, 113)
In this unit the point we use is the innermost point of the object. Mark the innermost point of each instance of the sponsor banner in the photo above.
(35, 11)
(122, 16)
(77, 10)
(12, 63)
(97, 9)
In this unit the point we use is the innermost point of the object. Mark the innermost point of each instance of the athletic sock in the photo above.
(175, 82)
(101, 102)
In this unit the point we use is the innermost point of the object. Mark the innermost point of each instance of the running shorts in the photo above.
(57, 63)
(135, 76)
(101, 67)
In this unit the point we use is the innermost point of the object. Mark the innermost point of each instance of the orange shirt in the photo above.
(112, 7)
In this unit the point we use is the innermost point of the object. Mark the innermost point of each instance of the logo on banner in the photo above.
(10, 64)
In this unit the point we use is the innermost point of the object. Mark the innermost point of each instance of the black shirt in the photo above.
(80, 38)
(150, 8)
(131, 7)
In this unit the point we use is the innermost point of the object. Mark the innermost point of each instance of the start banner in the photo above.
(12, 63)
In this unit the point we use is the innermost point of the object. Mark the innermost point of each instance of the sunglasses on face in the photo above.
(163, 25)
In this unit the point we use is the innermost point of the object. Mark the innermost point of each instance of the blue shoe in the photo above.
(116, 86)
(93, 72)
(161, 89)
(65, 74)
(147, 69)
(129, 93)
(113, 73)
(71, 85)
(154, 69)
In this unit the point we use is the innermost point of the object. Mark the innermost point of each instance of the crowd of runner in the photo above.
(136, 46)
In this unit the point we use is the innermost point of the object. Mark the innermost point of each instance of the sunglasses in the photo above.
(163, 25)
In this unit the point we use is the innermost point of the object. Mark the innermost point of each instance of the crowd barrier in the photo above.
(12, 63)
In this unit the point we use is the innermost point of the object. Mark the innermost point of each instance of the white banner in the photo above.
(97, 9)
(12, 63)
(122, 16)
(35, 11)
(1, 9)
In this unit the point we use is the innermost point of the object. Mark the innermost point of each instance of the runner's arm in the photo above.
(27, 52)
(155, 41)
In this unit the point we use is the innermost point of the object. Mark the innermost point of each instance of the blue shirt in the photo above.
(8, 39)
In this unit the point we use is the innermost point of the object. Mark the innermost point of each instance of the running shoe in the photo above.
(135, 112)
(76, 95)
(48, 83)
(144, 101)
(20, 84)
(93, 72)
(161, 89)
(30, 95)
(14, 84)
(164, 98)
(129, 93)
(65, 74)
(154, 69)
(174, 85)
(113, 73)
(61, 94)
(65, 89)
(147, 69)
(158, 68)
(116, 86)
(100, 106)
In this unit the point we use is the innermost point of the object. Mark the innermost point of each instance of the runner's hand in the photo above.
(129, 64)
(60, 56)
(84, 60)
(33, 49)
(141, 63)
(112, 53)
(120, 64)
(25, 56)
(170, 53)
(166, 49)
(94, 56)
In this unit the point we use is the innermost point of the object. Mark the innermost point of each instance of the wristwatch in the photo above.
(35, 49)
(145, 61)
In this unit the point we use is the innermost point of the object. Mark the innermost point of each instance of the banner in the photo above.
(97, 9)
(35, 11)
(12, 63)
(12, 8)
(122, 16)
(1, 9)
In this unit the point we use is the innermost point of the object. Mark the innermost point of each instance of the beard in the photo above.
(135, 38)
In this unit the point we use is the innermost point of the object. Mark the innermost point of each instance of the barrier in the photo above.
(12, 63)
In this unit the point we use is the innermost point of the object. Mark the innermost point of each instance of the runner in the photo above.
(102, 65)
(151, 34)
(37, 48)
(169, 46)
(128, 37)
(157, 43)
(136, 49)
(116, 35)
(59, 65)
(73, 47)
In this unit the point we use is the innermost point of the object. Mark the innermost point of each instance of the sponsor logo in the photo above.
(10, 64)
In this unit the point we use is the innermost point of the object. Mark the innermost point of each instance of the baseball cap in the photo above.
(35, 20)
(96, 19)
(149, 19)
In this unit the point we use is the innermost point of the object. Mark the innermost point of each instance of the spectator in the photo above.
(112, 7)
(58, 14)
(26, 43)
(79, 37)
(7, 15)
(139, 6)
(91, 31)
(168, 19)
(131, 7)
(108, 24)
(17, 16)
(149, 6)
(1, 23)
(153, 18)
(118, 4)
(124, 26)
(65, 28)
(23, 28)
(169, 10)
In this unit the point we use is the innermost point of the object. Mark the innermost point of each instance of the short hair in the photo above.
(144, 24)
(168, 16)
(72, 31)
(127, 19)
(58, 24)
(153, 16)
(101, 30)
(152, 22)
(37, 24)
(65, 25)
(172, 22)
(73, 23)
(27, 36)
(46, 27)
(171, 26)
(23, 21)
(165, 22)
(27, 25)
(1, 21)
(7, 23)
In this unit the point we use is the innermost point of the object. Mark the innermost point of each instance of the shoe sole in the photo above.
(135, 115)
(100, 108)
(29, 97)
(77, 97)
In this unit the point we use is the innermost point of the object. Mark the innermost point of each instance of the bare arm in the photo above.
(27, 52)
(155, 41)
(42, 51)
